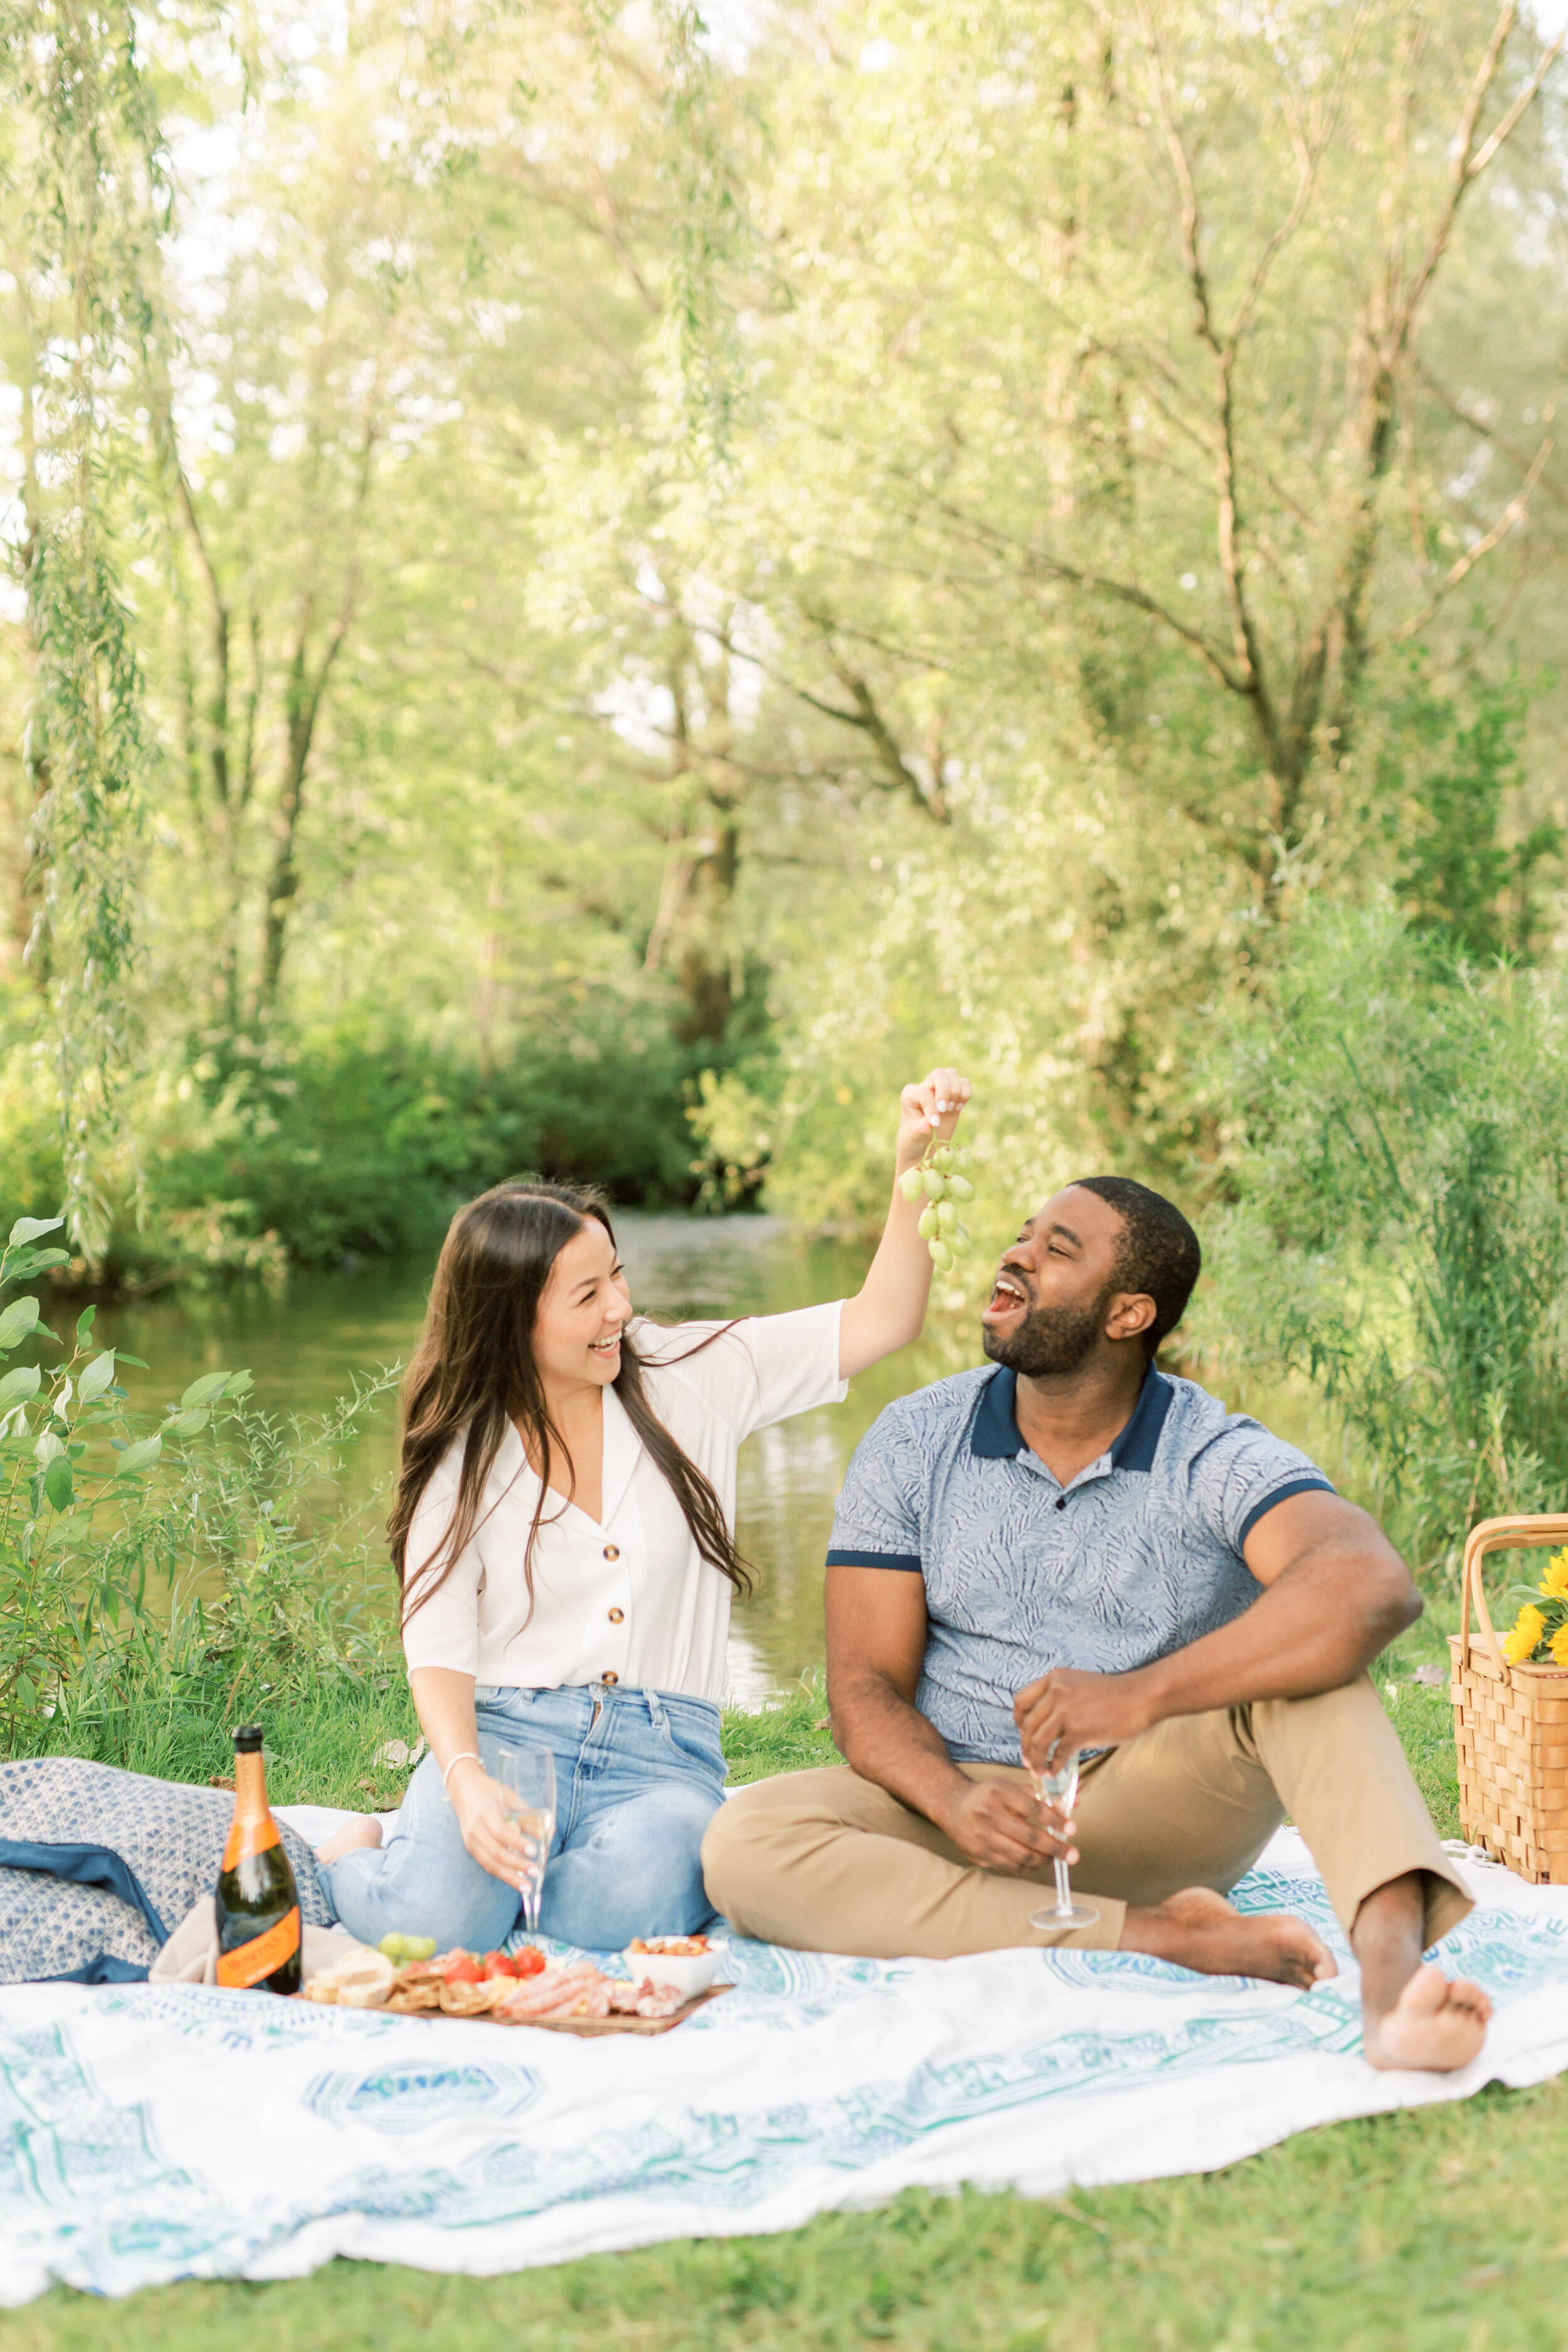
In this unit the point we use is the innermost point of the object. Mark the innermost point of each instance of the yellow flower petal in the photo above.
(1560, 1646)
(1519, 1643)
(1554, 1583)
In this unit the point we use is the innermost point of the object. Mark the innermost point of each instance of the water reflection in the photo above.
(302, 1344)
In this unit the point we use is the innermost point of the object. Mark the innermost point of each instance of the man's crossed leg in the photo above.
(1164, 1827)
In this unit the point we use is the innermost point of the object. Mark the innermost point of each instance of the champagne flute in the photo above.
(1059, 1785)
(527, 1780)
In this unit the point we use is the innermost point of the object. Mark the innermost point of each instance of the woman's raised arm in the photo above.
(890, 1308)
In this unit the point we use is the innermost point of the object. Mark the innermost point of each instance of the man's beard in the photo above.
(1049, 1339)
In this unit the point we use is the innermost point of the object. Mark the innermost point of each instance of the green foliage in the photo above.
(1445, 788)
(172, 1572)
(308, 1148)
(1399, 1226)
(1118, 389)
(342, 1142)
(65, 1456)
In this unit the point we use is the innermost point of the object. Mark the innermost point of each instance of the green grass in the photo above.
(1436, 2230)
(321, 1748)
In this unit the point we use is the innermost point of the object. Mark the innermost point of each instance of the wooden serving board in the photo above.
(615, 2024)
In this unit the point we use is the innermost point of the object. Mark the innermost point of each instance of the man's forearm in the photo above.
(1302, 1637)
(1314, 1629)
(886, 1739)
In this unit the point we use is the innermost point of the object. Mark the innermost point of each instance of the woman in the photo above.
(564, 1531)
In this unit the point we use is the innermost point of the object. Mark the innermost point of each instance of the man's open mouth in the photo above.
(1008, 1295)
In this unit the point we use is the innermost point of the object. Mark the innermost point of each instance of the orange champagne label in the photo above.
(248, 1837)
(248, 1964)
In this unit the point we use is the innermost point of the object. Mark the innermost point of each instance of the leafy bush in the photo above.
(1399, 1230)
(309, 1149)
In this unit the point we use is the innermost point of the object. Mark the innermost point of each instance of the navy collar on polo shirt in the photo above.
(994, 1434)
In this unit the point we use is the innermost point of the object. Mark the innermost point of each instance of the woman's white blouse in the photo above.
(628, 1599)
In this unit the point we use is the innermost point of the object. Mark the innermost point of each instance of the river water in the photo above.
(302, 1343)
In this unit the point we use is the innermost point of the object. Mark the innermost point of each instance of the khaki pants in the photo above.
(824, 1861)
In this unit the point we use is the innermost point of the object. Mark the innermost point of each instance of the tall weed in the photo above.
(185, 1571)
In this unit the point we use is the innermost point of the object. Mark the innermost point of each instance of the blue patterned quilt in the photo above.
(154, 2133)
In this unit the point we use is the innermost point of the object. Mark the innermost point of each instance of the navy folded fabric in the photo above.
(102, 1968)
(88, 1865)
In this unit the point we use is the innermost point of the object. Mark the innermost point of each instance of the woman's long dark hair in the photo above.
(474, 1371)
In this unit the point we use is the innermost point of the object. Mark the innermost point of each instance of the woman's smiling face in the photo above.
(585, 1305)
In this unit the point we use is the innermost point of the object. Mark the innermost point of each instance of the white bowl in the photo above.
(687, 1976)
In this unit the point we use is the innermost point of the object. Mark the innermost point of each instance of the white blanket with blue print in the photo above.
(158, 2133)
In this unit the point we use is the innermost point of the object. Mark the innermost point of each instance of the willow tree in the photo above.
(84, 199)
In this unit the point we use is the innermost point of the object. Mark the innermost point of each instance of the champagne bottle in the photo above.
(257, 1901)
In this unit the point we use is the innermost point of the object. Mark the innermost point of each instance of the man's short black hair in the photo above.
(1158, 1254)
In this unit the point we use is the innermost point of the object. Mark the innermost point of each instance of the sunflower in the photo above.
(1519, 1643)
(1559, 1645)
(1554, 1583)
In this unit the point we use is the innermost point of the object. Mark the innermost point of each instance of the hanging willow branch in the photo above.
(89, 178)
(710, 232)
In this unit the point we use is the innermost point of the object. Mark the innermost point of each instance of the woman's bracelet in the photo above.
(467, 1757)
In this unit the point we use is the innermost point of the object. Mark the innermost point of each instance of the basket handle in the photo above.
(1525, 1534)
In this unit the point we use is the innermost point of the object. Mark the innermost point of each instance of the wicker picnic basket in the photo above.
(1510, 1723)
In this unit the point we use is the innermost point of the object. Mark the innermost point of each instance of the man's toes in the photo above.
(1312, 1956)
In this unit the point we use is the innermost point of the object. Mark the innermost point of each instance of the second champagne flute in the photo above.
(527, 1780)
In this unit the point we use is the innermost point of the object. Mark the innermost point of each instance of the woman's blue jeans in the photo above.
(638, 1776)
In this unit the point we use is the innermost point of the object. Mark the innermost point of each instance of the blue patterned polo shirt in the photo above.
(1139, 1556)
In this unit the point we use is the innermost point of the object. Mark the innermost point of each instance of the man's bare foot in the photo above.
(364, 1829)
(1437, 2024)
(1198, 1929)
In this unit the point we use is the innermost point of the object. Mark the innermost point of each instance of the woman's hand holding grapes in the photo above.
(929, 1110)
(889, 1307)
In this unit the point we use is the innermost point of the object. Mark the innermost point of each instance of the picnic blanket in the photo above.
(153, 2133)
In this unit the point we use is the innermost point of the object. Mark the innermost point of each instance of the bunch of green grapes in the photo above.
(942, 1176)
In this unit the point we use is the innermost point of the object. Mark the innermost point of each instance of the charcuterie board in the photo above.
(519, 1989)
(563, 2024)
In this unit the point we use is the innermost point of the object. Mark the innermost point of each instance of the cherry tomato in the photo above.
(528, 1962)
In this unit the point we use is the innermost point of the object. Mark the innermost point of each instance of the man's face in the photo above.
(1048, 1305)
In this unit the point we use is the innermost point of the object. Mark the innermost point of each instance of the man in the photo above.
(1205, 1608)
